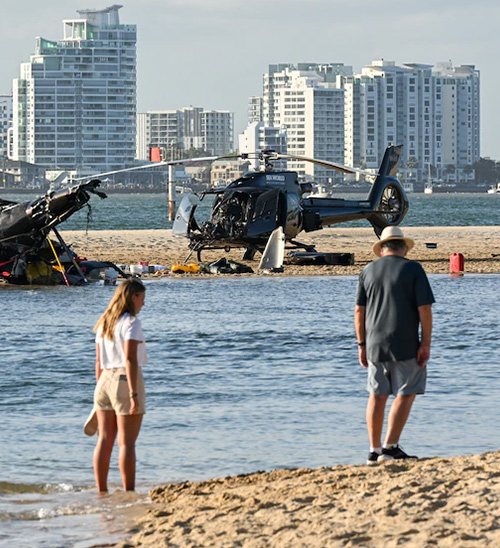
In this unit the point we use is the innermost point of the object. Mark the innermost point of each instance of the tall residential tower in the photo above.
(433, 111)
(74, 104)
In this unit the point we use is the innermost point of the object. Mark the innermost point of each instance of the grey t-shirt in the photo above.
(392, 288)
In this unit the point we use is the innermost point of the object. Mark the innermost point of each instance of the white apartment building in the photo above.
(312, 113)
(258, 137)
(75, 100)
(432, 111)
(255, 109)
(457, 110)
(217, 131)
(5, 125)
(281, 75)
(303, 103)
(189, 127)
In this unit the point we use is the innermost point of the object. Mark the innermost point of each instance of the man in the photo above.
(393, 300)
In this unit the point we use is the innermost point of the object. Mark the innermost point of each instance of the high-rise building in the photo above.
(457, 109)
(217, 131)
(5, 125)
(432, 111)
(189, 127)
(305, 101)
(282, 75)
(304, 104)
(255, 109)
(75, 100)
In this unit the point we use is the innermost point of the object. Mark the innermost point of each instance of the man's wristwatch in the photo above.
(362, 343)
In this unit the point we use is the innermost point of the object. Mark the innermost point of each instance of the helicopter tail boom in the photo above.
(385, 205)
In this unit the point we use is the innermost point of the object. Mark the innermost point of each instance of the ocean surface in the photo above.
(245, 374)
(150, 211)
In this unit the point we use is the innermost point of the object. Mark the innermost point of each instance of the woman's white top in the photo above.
(112, 353)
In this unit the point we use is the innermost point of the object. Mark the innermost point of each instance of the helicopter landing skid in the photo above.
(296, 244)
(250, 250)
(249, 254)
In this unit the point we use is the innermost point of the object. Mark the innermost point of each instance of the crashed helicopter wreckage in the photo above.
(27, 253)
(245, 213)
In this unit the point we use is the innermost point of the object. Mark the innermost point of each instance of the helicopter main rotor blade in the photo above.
(192, 161)
(324, 163)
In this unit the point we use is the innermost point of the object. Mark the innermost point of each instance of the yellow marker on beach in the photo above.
(190, 268)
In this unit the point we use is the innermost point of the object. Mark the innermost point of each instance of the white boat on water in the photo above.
(428, 184)
(494, 189)
(320, 191)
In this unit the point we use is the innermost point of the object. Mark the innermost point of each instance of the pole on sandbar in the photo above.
(171, 193)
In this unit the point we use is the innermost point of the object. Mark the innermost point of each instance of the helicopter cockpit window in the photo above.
(230, 215)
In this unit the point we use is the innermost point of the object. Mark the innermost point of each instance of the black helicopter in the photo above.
(28, 254)
(246, 212)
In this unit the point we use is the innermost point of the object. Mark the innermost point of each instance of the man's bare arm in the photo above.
(359, 325)
(424, 350)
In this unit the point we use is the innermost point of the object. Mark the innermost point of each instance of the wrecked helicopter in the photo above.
(245, 213)
(28, 255)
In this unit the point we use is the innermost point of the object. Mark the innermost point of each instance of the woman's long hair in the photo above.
(120, 303)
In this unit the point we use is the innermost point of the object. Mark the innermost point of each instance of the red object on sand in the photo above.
(457, 262)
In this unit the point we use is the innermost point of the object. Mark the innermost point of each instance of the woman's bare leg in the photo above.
(128, 430)
(106, 421)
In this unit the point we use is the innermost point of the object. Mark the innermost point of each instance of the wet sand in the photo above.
(479, 245)
(443, 502)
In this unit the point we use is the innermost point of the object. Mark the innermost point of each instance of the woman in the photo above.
(119, 398)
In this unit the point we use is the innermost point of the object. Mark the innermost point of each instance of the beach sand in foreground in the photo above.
(479, 245)
(444, 502)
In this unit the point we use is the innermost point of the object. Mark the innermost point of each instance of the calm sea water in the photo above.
(150, 211)
(245, 374)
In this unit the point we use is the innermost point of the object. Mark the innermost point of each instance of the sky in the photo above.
(213, 53)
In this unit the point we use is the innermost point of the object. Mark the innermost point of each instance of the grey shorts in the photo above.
(399, 378)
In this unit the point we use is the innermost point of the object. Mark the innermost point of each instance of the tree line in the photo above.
(487, 170)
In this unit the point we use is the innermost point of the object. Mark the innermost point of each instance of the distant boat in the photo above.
(180, 190)
(494, 189)
(320, 191)
(428, 184)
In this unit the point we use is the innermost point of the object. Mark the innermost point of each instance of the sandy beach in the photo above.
(444, 502)
(479, 245)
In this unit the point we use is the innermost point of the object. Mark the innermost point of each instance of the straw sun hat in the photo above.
(392, 233)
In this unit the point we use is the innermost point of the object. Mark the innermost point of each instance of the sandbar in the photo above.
(480, 247)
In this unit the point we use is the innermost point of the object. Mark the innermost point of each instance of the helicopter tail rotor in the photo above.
(387, 196)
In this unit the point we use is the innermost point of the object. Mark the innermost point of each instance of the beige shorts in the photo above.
(112, 392)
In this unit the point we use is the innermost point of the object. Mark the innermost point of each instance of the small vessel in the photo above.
(494, 189)
(320, 191)
(428, 184)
